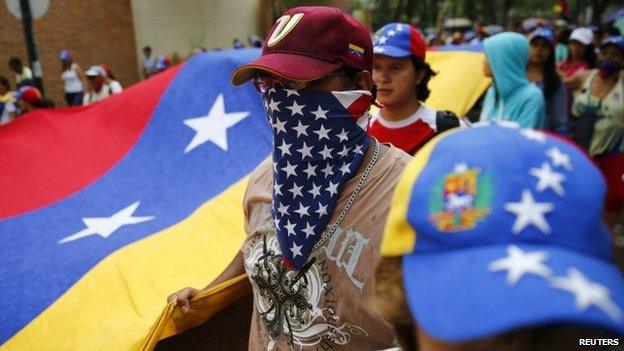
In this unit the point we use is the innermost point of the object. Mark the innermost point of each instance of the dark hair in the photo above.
(422, 90)
(564, 36)
(5, 83)
(43, 103)
(350, 76)
(552, 80)
(147, 48)
(589, 55)
(15, 61)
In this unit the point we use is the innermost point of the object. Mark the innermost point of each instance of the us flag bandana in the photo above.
(319, 142)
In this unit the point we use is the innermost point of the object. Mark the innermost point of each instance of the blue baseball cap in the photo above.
(501, 228)
(64, 55)
(545, 33)
(616, 40)
(399, 40)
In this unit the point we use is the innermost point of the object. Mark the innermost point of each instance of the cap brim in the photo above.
(455, 297)
(391, 51)
(289, 66)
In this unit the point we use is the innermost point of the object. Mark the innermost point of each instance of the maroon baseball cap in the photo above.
(307, 43)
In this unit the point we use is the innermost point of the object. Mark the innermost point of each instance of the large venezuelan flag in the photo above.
(107, 209)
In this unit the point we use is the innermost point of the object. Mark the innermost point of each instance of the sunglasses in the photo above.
(265, 82)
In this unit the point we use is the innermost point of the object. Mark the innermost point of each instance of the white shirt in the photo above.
(71, 80)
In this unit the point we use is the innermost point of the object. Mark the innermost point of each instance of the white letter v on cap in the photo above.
(284, 25)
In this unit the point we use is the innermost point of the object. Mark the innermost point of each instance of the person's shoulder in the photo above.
(261, 176)
(393, 157)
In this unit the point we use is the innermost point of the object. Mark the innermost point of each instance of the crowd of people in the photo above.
(495, 237)
(79, 87)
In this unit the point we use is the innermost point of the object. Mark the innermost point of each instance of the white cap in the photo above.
(95, 71)
(584, 36)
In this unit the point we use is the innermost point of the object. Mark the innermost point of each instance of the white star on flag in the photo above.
(315, 191)
(322, 210)
(332, 188)
(283, 209)
(343, 135)
(518, 263)
(296, 190)
(274, 105)
(322, 133)
(290, 227)
(344, 152)
(106, 226)
(280, 127)
(278, 189)
(345, 168)
(296, 249)
(327, 170)
(305, 151)
(587, 293)
(310, 170)
(559, 158)
(309, 230)
(301, 129)
(326, 152)
(547, 178)
(320, 113)
(295, 109)
(289, 169)
(528, 212)
(358, 149)
(534, 135)
(290, 92)
(213, 126)
(285, 148)
(302, 210)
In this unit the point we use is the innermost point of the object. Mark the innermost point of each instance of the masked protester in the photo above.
(511, 97)
(598, 118)
(315, 210)
(401, 75)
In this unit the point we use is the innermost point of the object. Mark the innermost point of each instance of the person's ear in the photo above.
(364, 81)
(420, 75)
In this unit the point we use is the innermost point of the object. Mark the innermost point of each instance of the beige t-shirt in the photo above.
(329, 307)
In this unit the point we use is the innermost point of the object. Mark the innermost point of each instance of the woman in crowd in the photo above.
(401, 75)
(511, 97)
(598, 118)
(72, 78)
(30, 98)
(541, 71)
(581, 53)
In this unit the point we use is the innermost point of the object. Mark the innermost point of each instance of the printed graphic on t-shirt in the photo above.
(299, 306)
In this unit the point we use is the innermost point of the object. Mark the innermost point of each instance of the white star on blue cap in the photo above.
(548, 179)
(518, 263)
(528, 212)
(587, 293)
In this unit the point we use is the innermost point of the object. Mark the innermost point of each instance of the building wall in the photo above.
(177, 26)
(94, 31)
